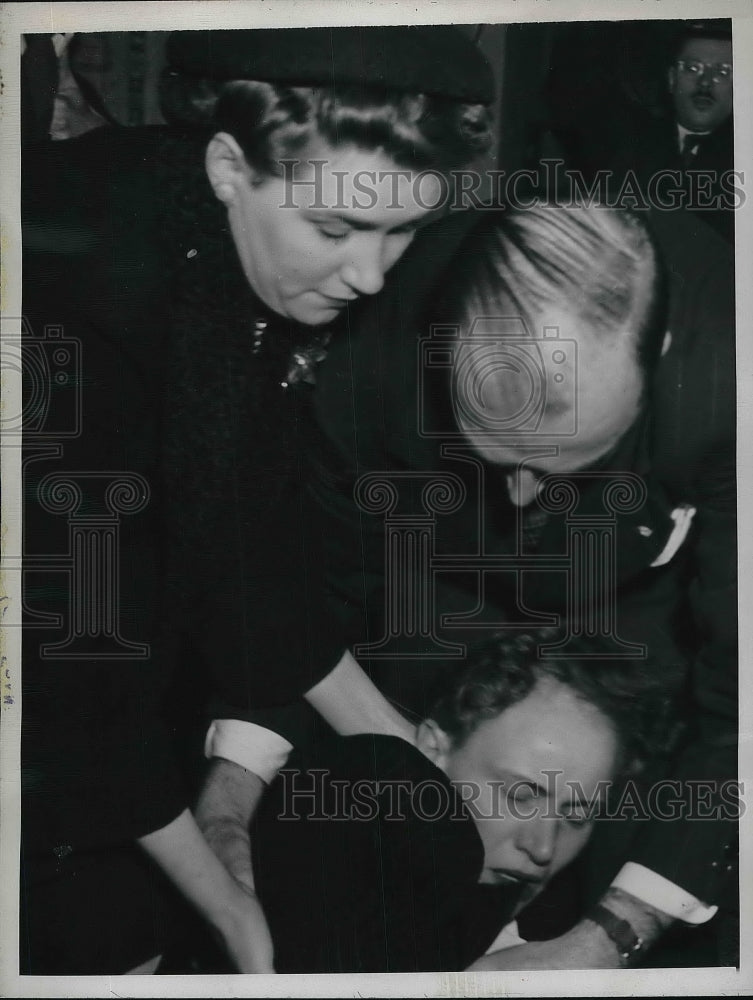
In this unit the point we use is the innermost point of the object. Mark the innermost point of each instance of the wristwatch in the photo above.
(628, 943)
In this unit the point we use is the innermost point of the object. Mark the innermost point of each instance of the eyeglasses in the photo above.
(720, 72)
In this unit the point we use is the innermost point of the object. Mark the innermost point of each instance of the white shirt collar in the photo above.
(682, 132)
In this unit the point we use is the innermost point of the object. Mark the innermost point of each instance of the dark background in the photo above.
(571, 82)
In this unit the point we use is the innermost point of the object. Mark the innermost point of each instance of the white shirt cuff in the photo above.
(257, 749)
(662, 894)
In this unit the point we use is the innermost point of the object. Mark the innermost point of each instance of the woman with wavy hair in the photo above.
(203, 269)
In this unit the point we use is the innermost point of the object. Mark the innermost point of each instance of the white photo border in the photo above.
(18, 18)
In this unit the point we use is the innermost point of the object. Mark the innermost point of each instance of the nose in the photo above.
(365, 267)
(538, 838)
(705, 80)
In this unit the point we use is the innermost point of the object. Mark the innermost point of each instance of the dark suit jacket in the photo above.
(373, 415)
(650, 145)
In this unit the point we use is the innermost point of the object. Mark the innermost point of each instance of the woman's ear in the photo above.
(666, 343)
(226, 167)
(433, 742)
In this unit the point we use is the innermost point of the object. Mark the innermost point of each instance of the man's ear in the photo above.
(671, 79)
(433, 742)
(226, 166)
(666, 343)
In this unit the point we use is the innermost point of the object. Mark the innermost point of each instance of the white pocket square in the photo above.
(682, 516)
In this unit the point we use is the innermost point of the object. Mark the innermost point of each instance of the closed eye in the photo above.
(578, 813)
(407, 230)
(578, 819)
(522, 791)
(335, 235)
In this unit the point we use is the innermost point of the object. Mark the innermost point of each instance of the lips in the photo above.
(703, 101)
(506, 876)
(338, 303)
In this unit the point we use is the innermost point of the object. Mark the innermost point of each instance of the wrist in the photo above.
(230, 841)
(226, 909)
(597, 950)
(649, 922)
(230, 912)
(230, 796)
(628, 924)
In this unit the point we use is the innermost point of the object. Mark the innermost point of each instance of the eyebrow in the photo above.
(522, 779)
(361, 224)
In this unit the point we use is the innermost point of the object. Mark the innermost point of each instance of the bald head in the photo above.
(559, 332)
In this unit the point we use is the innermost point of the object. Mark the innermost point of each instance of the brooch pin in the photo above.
(304, 361)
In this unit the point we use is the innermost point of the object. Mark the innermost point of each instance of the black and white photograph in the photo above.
(375, 419)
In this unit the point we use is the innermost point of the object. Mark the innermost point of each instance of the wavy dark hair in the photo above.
(272, 122)
(639, 697)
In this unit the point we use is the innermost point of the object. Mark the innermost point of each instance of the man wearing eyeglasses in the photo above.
(700, 82)
(686, 158)
(700, 85)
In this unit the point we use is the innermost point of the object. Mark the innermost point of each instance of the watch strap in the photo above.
(620, 931)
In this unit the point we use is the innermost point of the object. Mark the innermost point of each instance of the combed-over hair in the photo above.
(598, 262)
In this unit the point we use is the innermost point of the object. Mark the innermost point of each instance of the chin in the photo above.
(313, 315)
(701, 120)
(321, 318)
(699, 125)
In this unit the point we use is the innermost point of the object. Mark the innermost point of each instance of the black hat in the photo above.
(437, 59)
(718, 28)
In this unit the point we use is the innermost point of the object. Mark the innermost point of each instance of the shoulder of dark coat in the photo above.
(694, 391)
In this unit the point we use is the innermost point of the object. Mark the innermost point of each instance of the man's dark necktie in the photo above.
(690, 145)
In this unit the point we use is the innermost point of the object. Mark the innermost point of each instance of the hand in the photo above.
(229, 906)
(586, 946)
(223, 813)
(244, 934)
